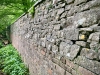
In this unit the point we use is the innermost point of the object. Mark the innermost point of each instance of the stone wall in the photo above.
(63, 38)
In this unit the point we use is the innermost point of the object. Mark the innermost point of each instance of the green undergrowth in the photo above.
(11, 63)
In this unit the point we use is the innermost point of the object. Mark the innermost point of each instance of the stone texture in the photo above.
(54, 48)
(89, 53)
(67, 73)
(86, 29)
(97, 28)
(81, 43)
(73, 52)
(69, 1)
(94, 37)
(71, 34)
(88, 64)
(60, 11)
(64, 48)
(77, 2)
(82, 71)
(86, 18)
(59, 70)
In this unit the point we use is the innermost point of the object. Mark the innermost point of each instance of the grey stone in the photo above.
(64, 48)
(90, 4)
(87, 18)
(97, 28)
(73, 52)
(43, 42)
(57, 27)
(68, 7)
(60, 5)
(81, 43)
(93, 45)
(94, 37)
(91, 65)
(71, 34)
(63, 22)
(44, 33)
(70, 21)
(60, 34)
(86, 29)
(79, 1)
(69, 1)
(67, 73)
(64, 15)
(69, 42)
(54, 12)
(52, 40)
(54, 48)
(56, 1)
(83, 71)
(73, 10)
(60, 11)
(57, 42)
(48, 46)
(89, 53)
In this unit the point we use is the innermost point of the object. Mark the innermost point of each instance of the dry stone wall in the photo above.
(63, 38)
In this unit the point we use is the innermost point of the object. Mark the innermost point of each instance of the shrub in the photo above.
(11, 62)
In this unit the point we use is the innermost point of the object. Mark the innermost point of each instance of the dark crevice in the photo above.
(73, 41)
(61, 28)
(99, 24)
(85, 10)
(80, 26)
(89, 0)
(78, 54)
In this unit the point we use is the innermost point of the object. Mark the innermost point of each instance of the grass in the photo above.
(11, 63)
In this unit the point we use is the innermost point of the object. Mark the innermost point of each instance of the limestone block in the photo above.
(90, 4)
(89, 53)
(91, 65)
(71, 34)
(79, 1)
(97, 28)
(67, 73)
(81, 43)
(59, 70)
(94, 37)
(68, 7)
(56, 1)
(74, 50)
(57, 27)
(69, 1)
(43, 42)
(64, 48)
(86, 29)
(83, 71)
(94, 45)
(87, 18)
(54, 48)
(60, 11)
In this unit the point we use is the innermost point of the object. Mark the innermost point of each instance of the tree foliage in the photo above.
(10, 10)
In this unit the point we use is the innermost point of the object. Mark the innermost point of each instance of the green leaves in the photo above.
(10, 10)
(11, 61)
